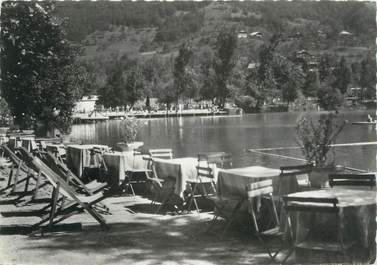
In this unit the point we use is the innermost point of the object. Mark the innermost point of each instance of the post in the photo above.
(54, 199)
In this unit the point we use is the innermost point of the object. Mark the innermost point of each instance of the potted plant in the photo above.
(316, 139)
(129, 130)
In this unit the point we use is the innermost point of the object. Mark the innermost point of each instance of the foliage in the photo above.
(112, 94)
(342, 76)
(4, 112)
(130, 128)
(180, 72)
(329, 97)
(368, 77)
(316, 137)
(247, 103)
(39, 77)
(133, 86)
(226, 44)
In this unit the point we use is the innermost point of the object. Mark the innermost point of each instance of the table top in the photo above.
(88, 146)
(252, 172)
(346, 197)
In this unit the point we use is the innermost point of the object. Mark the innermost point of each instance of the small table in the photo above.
(234, 181)
(118, 163)
(183, 169)
(357, 208)
(78, 156)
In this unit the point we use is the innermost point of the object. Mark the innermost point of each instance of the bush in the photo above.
(316, 138)
(129, 130)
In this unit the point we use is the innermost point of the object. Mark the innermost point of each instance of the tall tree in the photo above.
(39, 77)
(368, 78)
(134, 86)
(112, 94)
(180, 71)
(226, 43)
(342, 76)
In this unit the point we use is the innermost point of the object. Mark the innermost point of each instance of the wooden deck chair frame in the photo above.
(256, 191)
(314, 205)
(69, 177)
(366, 180)
(60, 168)
(19, 165)
(165, 153)
(61, 187)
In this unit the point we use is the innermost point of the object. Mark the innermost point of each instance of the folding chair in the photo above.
(300, 172)
(205, 185)
(316, 239)
(161, 153)
(255, 192)
(78, 202)
(359, 180)
(221, 159)
(133, 174)
(162, 187)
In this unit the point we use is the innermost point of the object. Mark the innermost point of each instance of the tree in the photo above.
(207, 75)
(342, 76)
(134, 86)
(368, 78)
(112, 94)
(39, 79)
(180, 71)
(329, 97)
(224, 62)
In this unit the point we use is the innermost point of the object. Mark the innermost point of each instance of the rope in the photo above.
(301, 159)
(297, 147)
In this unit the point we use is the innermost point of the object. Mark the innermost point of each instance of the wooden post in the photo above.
(10, 176)
(27, 179)
(16, 177)
(54, 199)
(36, 186)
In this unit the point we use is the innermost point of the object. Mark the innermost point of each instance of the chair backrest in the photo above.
(366, 180)
(205, 171)
(309, 204)
(295, 169)
(221, 159)
(161, 153)
(259, 188)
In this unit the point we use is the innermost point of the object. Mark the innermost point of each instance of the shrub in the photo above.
(316, 138)
(130, 129)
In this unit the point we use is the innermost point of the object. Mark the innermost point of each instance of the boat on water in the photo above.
(365, 122)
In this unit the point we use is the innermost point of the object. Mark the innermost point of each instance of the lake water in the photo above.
(190, 135)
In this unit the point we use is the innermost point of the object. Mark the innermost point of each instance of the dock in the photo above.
(99, 116)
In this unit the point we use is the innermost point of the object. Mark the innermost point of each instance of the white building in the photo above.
(86, 104)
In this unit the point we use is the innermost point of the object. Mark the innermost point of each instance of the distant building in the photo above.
(86, 104)
(256, 34)
(242, 34)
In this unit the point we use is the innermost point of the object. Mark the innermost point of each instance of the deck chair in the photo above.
(314, 240)
(60, 168)
(161, 153)
(19, 166)
(257, 191)
(359, 180)
(137, 175)
(77, 204)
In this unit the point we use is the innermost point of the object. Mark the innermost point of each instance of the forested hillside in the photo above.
(125, 34)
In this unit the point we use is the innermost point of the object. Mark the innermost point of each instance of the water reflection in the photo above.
(188, 136)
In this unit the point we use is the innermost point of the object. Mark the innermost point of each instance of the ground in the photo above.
(133, 238)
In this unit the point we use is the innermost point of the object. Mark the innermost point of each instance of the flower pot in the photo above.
(126, 147)
(319, 177)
